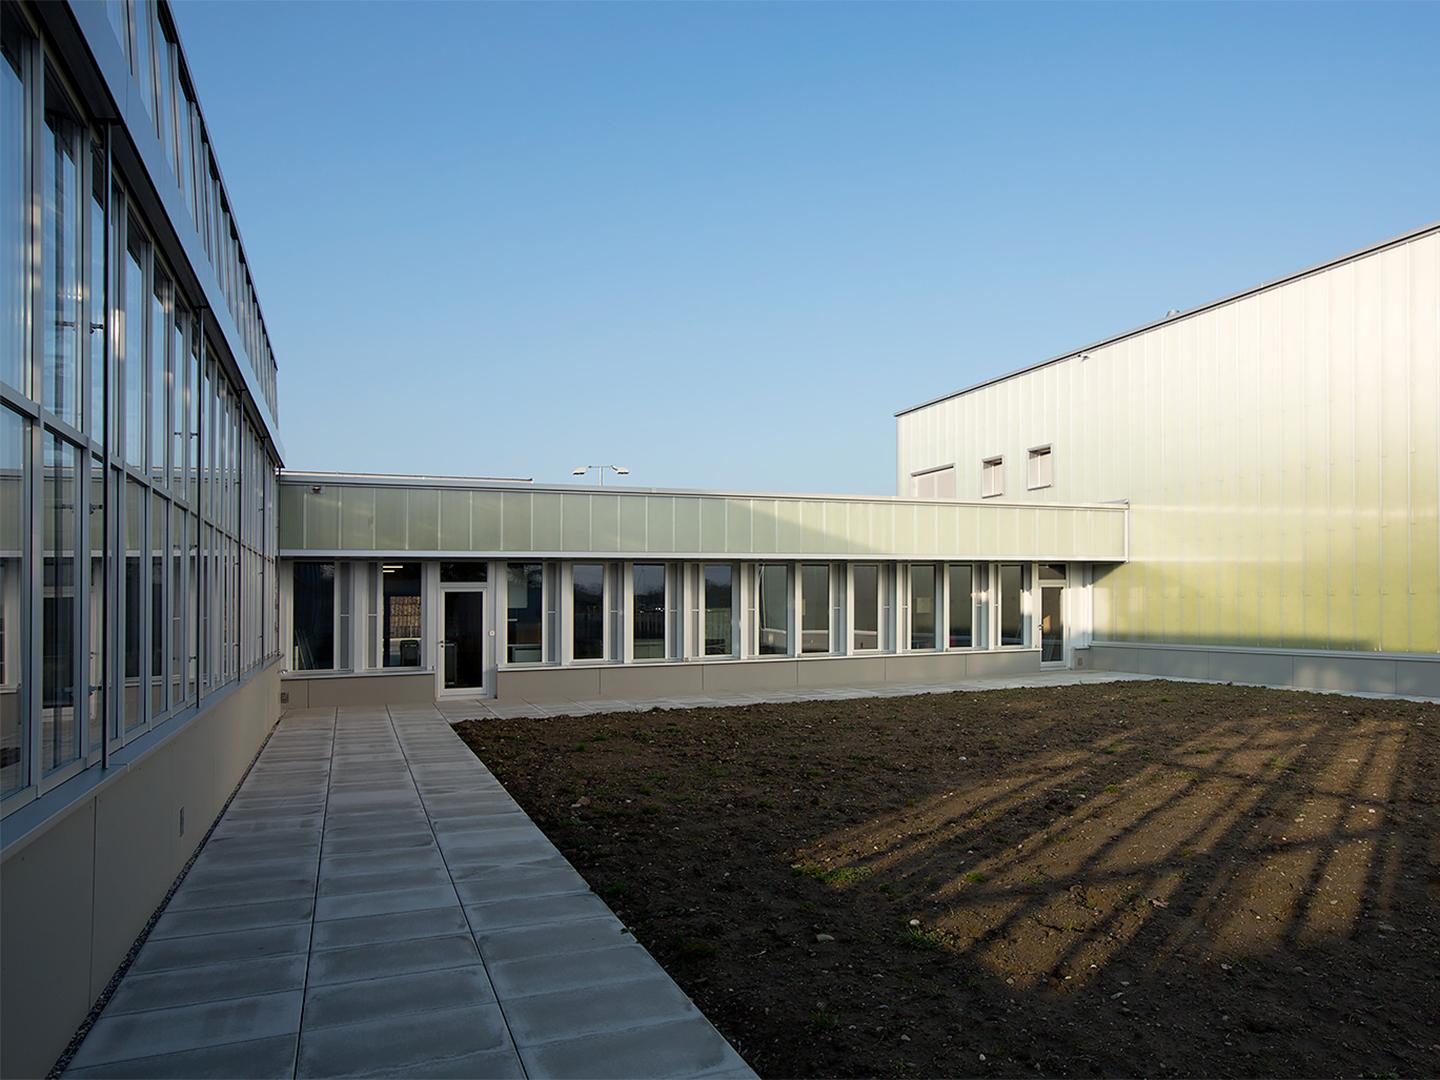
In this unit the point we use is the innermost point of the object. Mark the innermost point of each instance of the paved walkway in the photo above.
(374, 903)
(480, 708)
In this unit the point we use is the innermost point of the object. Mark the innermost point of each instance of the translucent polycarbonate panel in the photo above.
(515, 526)
(423, 520)
(575, 511)
(546, 533)
(357, 518)
(660, 523)
(1278, 451)
(396, 518)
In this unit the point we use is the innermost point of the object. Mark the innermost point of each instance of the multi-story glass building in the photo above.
(1246, 491)
(138, 449)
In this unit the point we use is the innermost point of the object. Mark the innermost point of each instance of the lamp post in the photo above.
(618, 470)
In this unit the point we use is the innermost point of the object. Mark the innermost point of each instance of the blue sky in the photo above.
(722, 243)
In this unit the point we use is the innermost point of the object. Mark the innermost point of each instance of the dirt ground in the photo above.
(1119, 879)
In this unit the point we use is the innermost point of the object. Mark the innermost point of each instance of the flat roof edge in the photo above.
(1328, 264)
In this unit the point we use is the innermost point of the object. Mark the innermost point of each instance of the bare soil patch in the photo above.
(1120, 879)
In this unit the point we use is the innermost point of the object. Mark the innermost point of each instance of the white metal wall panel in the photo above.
(1280, 452)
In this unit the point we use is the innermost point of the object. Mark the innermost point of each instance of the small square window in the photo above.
(1039, 472)
(992, 477)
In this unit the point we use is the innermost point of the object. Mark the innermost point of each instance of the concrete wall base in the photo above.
(79, 888)
(334, 691)
(1302, 669)
(642, 682)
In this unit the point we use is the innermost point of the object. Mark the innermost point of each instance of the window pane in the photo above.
(144, 72)
(159, 369)
(14, 213)
(62, 205)
(649, 611)
(464, 571)
(1012, 629)
(177, 605)
(179, 415)
(1052, 572)
(774, 609)
(525, 587)
(589, 611)
(134, 359)
(719, 610)
(962, 607)
(401, 623)
(159, 622)
(97, 636)
(192, 620)
(59, 729)
(95, 409)
(866, 579)
(314, 610)
(815, 608)
(12, 576)
(922, 606)
(134, 601)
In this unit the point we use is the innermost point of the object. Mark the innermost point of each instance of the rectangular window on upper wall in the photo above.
(1038, 468)
(923, 592)
(1012, 614)
(524, 629)
(934, 483)
(400, 620)
(313, 648)
(719, 610)
(992, 477)
(587, 611)
(865, 582)
(648, 612)
(960, 589)
(815, 608)
(773, 608)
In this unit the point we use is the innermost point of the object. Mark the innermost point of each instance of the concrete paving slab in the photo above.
(681, 1048)
(372, 903)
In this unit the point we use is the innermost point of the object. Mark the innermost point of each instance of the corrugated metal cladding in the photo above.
(1280, 453)
(346, 517)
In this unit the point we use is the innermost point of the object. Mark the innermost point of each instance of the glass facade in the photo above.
(960, 593)
(400, 624)
(524, 629)
(773, 609)
(138, 535)
(922, 606)
(815, 608)
(865, 578)
(1012, 616)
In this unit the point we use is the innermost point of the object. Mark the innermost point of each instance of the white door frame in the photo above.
(487, 686)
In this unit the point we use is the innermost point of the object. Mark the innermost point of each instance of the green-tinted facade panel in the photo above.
(486, 511)
(322, 519)
(660, 524)
(547, 533)
(687, 525)
(516, 530)
(424, 530)
(454, 520)
(575, 513)
(632, 522)
(357, 518)
(292, 520)
(392, 512)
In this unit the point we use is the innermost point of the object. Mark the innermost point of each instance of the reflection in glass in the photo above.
(719, 610)
(922, 606)
(14, 213)
(59, 727)
(192, 612)
(400, 627)
(314, 616)
(1012, 622)
(588, 611)
(95, 410)
(13, 433)
(464, 657)
(133, 318)
(866, 580)
(134, 531)
(815, 608)
(1052, 625)
(159, 368)
(773, 606)
(469, 571)
(649, 611)
(98, 642)
(177, 604)
(62, 208)
(524, 636)
(962, 606)
(159, 620)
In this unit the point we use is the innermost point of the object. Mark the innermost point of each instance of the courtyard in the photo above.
(1112, 879)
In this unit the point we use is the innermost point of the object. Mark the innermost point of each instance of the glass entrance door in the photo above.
(462, 643)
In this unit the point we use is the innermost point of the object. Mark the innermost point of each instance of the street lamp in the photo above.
(618, 470)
